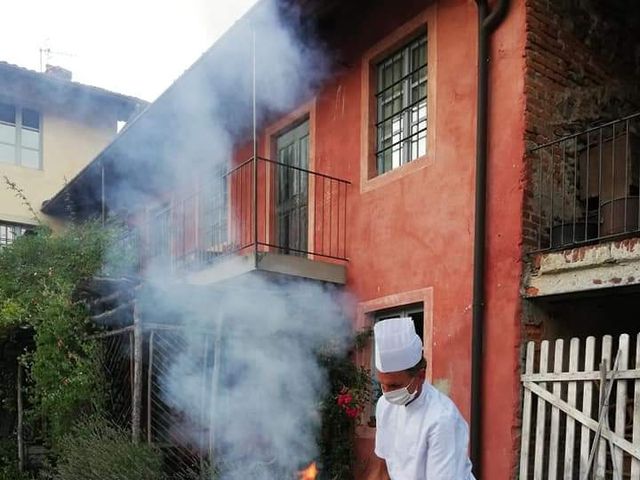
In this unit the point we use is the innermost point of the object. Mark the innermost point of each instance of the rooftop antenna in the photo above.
(46, 54)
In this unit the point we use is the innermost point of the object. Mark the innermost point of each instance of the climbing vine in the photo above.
(39, 274)
(345, 405)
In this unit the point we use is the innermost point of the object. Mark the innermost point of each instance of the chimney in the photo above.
(58, 72)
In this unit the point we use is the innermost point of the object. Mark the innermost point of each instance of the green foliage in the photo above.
(9, 471)
(9, 462)
(20, 195)
(39, 274)
(96, 449)
(208, 472)
(348, 397)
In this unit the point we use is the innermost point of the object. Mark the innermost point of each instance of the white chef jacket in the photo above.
(425, 440)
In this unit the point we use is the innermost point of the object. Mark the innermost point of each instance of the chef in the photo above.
(420, 434)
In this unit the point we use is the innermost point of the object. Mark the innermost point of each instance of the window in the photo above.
(214, 210)
(19, 136)
(292, 190)
(416, 313)
(9, 232)
(160, 232)
(128, 244)
(401, 102)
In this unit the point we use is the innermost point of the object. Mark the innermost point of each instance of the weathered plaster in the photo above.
(586, 268)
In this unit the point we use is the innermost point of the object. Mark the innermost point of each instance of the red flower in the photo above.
(345, 399)
(352, 412)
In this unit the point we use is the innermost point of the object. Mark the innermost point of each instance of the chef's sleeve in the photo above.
(381, 437)
(447, 449)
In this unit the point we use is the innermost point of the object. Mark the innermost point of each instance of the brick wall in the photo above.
(582, 66)
(582, 69)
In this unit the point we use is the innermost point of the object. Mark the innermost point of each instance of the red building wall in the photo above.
(413, 231)
(410, 231)
(501, 407)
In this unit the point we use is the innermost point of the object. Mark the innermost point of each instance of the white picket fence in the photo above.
(571, 398)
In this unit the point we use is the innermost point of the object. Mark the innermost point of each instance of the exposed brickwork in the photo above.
(581, 69)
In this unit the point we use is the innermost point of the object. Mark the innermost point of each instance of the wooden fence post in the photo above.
(585, 433)
(621, 406)
(136, 400)
(215, 378)
(541, 423)
(574, 354)
(601, 458)
(20, 417)
(635, 463)
(563, 428)
(150, 387)
(526, 416)
(554, 436)
(203, 406)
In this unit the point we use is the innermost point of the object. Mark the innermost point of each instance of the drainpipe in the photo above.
(488, 21)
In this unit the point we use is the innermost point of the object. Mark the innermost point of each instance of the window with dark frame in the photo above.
(9, 232)
(416, 313)
(19, 136)
(401, 105)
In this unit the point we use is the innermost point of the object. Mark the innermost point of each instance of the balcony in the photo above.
(586, 186)
(261, 215)
(586, 211)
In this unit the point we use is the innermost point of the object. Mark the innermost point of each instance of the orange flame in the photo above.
(309, 473)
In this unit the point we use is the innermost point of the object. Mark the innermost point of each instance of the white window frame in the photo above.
(17, 144)
(408, 138)
(377, 316)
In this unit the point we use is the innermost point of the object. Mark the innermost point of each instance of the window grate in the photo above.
(401, 98)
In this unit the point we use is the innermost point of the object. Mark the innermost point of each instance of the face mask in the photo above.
(400, 396)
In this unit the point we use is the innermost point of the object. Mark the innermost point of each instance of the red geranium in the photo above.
(352, 412)
(345, 399)
(348, 402)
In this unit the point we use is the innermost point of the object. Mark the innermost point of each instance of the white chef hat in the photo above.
(398, 347)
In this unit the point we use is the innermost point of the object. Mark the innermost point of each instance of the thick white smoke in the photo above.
(196, 123)
(256, 374)
(248, 355)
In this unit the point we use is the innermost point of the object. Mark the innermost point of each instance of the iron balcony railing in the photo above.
(586, 186)
(259, 206)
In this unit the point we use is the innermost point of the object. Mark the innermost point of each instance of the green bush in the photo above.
(345, 402)
(10, 472)
(209, 472)
(96, 449)
(9, 461)
(39, 275)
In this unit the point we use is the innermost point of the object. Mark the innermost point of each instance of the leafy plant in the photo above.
(209, 472)
(9, 462)
(348, 397)
(39, 274)
(97, 449)
(10, 472)
(19, 193)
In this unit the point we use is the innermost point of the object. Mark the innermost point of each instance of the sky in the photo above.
(134, 47)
